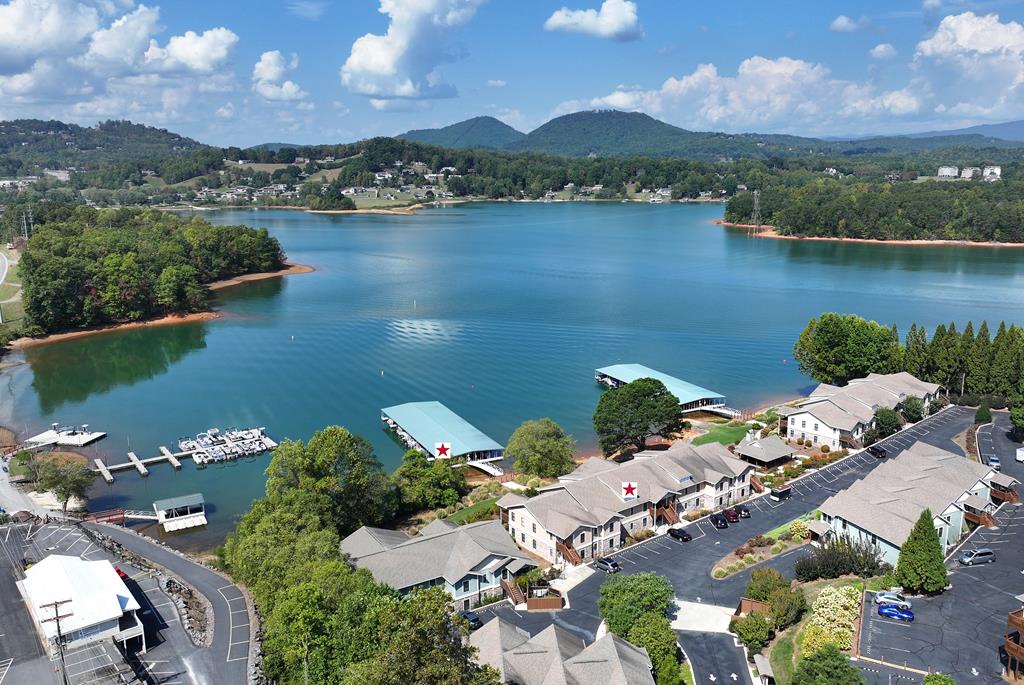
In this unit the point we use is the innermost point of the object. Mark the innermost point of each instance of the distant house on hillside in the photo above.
(992, 173)
(948, 172)
(969, 172)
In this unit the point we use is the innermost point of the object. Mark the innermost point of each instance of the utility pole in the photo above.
(757, 209)
(60, 637)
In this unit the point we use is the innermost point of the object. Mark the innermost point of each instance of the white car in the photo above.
(1020, 454)
(894, 598)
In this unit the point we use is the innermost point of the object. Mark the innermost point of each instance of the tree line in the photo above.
(973, 363)
(956, 210)
(85, 267)
(325, 621)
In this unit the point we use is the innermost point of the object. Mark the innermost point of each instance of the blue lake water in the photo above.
(501, 311)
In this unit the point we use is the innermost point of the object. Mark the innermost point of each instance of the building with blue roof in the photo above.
(691, 397)
(425, 426)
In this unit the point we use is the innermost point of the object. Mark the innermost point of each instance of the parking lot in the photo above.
(961, 631)
(98, 664)
(688, 565)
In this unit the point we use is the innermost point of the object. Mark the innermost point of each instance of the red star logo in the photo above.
(629, 489)
(442, 450)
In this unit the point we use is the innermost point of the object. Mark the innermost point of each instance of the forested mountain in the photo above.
(478, 132)
(56, 145)
(1008, 130)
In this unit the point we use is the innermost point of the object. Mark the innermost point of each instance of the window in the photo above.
(533, 542)
(522, 536)
(465, 586)
(844, 524)
(645, 522)
(534, 527)
(803, 424)
(583, 537)
(512, 515)
(815, 426)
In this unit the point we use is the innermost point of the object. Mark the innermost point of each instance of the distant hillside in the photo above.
(478, 132)
(1009, 130)
(274, 147)
(58, 145)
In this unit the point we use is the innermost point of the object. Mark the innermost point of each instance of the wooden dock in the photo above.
(104, 471)
(137, 463)
(170, 457)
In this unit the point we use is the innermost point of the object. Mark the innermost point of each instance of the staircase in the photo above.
(513, 592)
(669, 514)
(569, 554)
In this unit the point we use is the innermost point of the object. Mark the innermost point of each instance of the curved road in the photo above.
(227, 659)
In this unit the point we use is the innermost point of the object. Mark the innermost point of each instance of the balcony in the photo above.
(979, 518)
(1010, 496)
(1015, 621)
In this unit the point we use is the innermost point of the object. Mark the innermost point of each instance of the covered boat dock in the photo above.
(691, 397)
(440, 433)
(180, 513)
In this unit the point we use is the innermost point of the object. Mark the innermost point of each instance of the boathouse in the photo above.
(440, 433)
(691, 397)
(180, 513)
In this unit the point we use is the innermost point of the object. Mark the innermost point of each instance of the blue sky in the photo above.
(309, 71)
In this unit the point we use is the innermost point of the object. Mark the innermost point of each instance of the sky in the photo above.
(327, 71)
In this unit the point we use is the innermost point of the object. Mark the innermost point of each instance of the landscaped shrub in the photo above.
(825, 449)
(839, 557)
(983, 415)
(749, 560)
(814, 638)
(742, 550)
(834, 612)
(760, 541)
(800, 441)
(937, 405)
(787, 606)
(777, 548)
(719, 573)
(884, 582)
(754, 630)
(763, 582)
(642, 534)
(912, 409)
(799, 529)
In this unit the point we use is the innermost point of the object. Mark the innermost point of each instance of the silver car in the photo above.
(894, 598)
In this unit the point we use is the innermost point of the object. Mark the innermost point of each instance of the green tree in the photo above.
(887, 422)
(763, 582)
(625, 599)
(124, 293)
(654, 633)
(979, 362)
(427, 484)
(921, 567)
(835, 348)
(754, 630)
(341, 466)
(938, 679)
(983, 414)
(915, 357)
(298, 630)
(628, 415)
(1004, 374)
(1017, 417)
(787, 606)
(178, 289)
(827, 666)
(540, 447)
(912, 409)
(65, 478)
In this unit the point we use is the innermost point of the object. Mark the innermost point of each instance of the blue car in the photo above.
(893, 611)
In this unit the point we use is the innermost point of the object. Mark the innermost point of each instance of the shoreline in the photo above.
(166, 320)
(772, 232)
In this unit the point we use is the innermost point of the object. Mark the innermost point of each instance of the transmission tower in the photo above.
(757, 209)
(26, 224)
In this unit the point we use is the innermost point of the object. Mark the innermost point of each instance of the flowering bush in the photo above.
(832, 617)
(799, 529)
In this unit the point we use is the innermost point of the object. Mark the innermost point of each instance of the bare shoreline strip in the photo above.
(168, 320)
(772, 232)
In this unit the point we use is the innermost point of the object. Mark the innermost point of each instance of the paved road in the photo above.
(226, 661)
(687, 565)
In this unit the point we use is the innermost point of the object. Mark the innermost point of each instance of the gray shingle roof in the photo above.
(889, 500)
(765, 450)
(557, 657)
(448, 553)
(844, 407)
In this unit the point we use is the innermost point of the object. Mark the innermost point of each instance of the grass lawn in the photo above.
(13, 313)
(462, 514)
(687, 674)
(781, 657)
(779, 530)
(725, 434)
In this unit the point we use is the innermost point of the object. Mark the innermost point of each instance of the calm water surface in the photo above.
(500, 311)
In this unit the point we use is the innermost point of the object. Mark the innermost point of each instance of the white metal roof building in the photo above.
(87, 598)
(426, 426)
(691, 397)
(181, 513)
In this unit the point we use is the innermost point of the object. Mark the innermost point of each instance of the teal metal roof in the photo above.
(432, 422)
(686, 392)
(175, 502)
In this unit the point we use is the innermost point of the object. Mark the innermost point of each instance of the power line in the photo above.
(60, 637)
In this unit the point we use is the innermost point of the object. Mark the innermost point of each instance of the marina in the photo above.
(209, 447)
(63, 436)
(692, 398)
(440, 433)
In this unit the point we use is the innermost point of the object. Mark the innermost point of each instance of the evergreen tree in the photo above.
(1002, 377)
(921, 567)
(979, 362)
(960, 347)
(915, 356)
(894, 353)
(827, 666)
(942, 353)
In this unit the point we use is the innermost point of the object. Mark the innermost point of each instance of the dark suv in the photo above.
(742, 510)
(718, 521)
(680, 534)
(878, 451)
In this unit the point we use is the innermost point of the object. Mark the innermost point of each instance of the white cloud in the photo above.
(931, 5)
(226, 111)
(403, 63)
(30, 29)
(883, 51)
(843, 24)
(195, 51)
(120, 46)
(398, 105)
(616, 19)
(307, 9)
(268, 77)
(496, 83)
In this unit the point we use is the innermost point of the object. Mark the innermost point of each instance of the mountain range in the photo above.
(611, 133)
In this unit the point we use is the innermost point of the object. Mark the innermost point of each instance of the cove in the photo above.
(502, 311)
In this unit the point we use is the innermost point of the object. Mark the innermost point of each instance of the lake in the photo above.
(501, 311)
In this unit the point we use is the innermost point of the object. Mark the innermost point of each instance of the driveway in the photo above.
(227, 658)
(687, 565)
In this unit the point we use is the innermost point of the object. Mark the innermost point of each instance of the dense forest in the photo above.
(973, 363)
(86, 267)
(930, 210)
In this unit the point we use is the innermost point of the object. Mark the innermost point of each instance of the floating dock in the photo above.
(64, 436)
(216, 448)
(440, 433)
(692, 398)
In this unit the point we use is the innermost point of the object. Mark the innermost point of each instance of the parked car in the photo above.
(994, 462)
(121, 574)
(781, 493)
(742, 510)
(894, 598)
(731, 515)
(1020, 454)
(893, 611)
(878, 451)
(607, 565)
(982, 555)
(680, 534)
(472, 619)
(718, 521)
